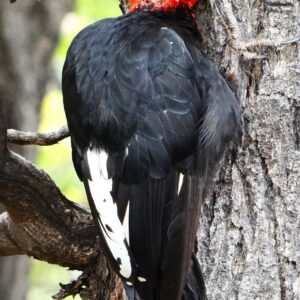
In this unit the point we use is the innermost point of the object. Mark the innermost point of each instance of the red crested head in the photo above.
(160, 5)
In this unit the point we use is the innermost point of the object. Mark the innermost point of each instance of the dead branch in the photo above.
(8, 247)
(123, 6)
(36, 138)
(39, 220)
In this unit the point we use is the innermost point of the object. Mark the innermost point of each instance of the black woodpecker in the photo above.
(148, 112)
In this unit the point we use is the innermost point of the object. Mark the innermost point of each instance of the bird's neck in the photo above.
(160, 5)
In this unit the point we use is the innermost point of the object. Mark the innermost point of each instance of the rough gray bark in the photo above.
(28, 34)
(13, 270)
(249, 233)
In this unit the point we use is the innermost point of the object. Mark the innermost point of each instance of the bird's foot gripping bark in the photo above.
(71, 289)
(77, 287)
(94, 281)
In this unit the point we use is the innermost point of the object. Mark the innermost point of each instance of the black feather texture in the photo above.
(140, 88)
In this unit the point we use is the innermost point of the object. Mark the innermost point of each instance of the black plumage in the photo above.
(140, 88)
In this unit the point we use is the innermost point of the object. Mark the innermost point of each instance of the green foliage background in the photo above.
(56, 160)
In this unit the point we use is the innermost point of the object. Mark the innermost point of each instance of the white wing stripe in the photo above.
(110, 224)
(180, 182)
(126, 222)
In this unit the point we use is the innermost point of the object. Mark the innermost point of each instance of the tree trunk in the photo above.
(249, 233)
(28, 35)
(13, 277)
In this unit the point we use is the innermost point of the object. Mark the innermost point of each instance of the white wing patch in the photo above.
(180, 182)
(126, 222)
(141, 279)
(100, 186)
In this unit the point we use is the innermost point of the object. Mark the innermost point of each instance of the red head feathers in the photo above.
(160, 4)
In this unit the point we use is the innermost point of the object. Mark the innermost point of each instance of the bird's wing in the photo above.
(221, 123)
(169, 110)
(162, 224)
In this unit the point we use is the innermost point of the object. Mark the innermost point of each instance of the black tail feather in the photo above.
(163, 227)
(131, 293)
(194, 287)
